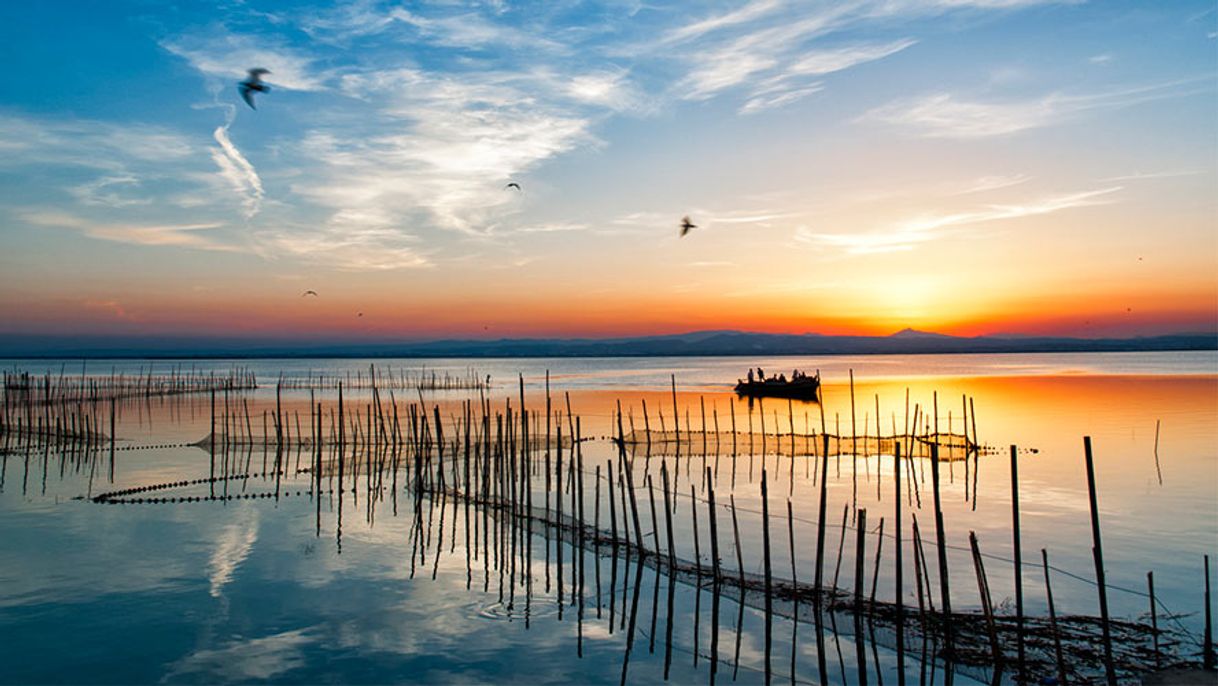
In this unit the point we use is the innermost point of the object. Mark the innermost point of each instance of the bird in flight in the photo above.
(360, 314)
(253, 83)
(686, 225)
(309, 292)
(512, 185)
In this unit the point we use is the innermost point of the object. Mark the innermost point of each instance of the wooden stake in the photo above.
(1019, 638)
(1098, 554)
(987, 607)
(944, 582)
(898, 593)
(1057, 638)
(769, 588)
(1208, 648)
(1154, 615)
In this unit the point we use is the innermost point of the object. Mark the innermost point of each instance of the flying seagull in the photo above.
(252, 83)
(310, 292)
(686, 225)
(512, 185)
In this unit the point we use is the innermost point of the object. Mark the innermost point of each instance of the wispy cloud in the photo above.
(1145, 176)
(237, 171)
(176, 235)
(908, 234)
(448, 146)
(944, 115)
(111, 190)
(732, 63)
(88, 143)
(746, 13)
(550, 227)
(772, 50)
(226, 56)
(984, 184)
(344, 249)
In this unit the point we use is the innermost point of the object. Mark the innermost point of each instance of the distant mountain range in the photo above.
(716, 343)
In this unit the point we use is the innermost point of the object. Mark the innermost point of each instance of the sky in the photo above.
(961, 166)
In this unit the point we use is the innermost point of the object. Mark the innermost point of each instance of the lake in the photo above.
(154, 559)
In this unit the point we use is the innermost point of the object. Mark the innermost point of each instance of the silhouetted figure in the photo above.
(760, 374)
(253, 83)
(686, 225)
(782, 378)
(750, 376)
(512, 185)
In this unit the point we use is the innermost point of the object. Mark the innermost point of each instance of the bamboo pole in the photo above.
(898, 592)
(1018, 550)
(941, 545)
(987, 607)
(769, 582)
(1057, 639)
(1208, 647)
(1098, 554)
(1154, 616)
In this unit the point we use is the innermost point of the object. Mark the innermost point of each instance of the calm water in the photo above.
(276, 589)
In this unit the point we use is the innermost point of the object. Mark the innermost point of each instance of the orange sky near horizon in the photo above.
(874, 311)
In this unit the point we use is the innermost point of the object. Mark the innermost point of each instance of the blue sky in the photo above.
(843, 139)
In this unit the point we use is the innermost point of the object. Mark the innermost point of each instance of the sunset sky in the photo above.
(961, 166)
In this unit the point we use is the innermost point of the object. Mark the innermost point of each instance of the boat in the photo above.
(803, 388)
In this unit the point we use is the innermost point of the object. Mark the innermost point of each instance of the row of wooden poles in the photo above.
(388, 378)
(498, 470)
(23, 389)
(26, 426)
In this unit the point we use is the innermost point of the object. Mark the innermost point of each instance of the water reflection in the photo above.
(376, 517)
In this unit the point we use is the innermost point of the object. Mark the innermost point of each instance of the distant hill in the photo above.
(713, 343)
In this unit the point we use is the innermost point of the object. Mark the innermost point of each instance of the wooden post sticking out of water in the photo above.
(1057, 638)
(714, 527)
(1098, 554)
(941, 545)
(820, 523)
(1207, 657)
(672, 553)
(860, 550)
(1018, 556)
(647, 427)
(1154, 615)
(676, 415)
(987, 606)
(769, 588)
(634, 508)
(898, 593)
(879, 551)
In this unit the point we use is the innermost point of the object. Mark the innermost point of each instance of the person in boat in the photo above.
(760, 375)
(750, 376)
(782, 378)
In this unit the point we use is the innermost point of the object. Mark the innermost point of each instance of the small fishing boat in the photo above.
(802, 388)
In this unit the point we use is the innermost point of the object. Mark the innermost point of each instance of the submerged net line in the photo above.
(951, 446)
